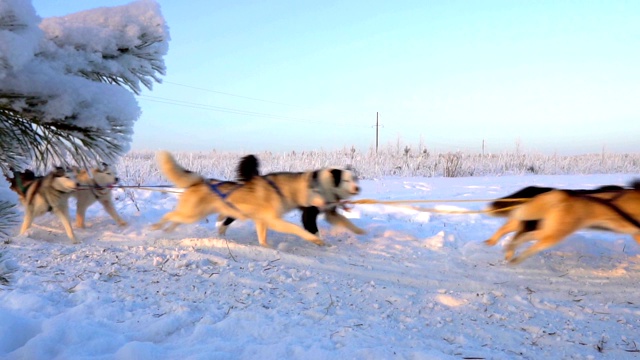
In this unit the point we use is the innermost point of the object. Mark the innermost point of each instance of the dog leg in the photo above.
(172, 226)
(637, 238)
(510, 226)
(310, 219)
(223, 224)
(539, 246)
(107, 204)
(282, 226)
(81, 210)
(160, 224)
(552, 232)
(516, 241)
(63, 214)
(26, 223)
(261, 230)
(337, 219)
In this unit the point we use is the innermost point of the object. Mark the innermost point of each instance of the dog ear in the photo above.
(105, 166)
(337, 176)
(354, 172)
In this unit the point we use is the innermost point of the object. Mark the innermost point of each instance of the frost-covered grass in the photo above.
(139, 167)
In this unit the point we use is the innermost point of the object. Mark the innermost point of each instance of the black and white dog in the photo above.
(333, 184)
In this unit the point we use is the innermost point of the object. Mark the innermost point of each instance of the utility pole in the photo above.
(377, 127)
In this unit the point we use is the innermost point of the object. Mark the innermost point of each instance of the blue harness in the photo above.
(223, 196)
(274, 186)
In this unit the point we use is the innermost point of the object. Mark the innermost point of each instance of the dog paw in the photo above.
(359, 231)
(514, 261)
(508, 256)
(123, 224)
(318, 242)
(490, 242)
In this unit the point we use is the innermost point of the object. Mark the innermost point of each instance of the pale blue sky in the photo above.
(547, 76)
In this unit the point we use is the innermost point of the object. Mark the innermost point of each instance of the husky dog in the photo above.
(49, 193)
(96, 186)
(334, 184)
(263, 200)
(551, 215)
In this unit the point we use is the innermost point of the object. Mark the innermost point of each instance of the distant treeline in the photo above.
(139, 167)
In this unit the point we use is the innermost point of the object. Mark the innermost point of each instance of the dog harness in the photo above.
(20, 186)
(274, 186)
(223, 196)
(609, 203)
(95, 189)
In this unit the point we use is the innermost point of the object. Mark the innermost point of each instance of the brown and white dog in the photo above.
(40, 195)
(263, 200)
(547, 216)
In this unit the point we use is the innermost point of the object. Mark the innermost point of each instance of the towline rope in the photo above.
(396, 203)
(401, 203)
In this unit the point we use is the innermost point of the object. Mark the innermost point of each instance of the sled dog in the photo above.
(263, 200)
(550, 215)
(334, 184)
(95, 185)
(48, 193)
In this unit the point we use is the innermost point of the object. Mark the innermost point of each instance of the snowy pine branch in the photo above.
(61, 77)
(121, 45)
(9, 218)
(53, 140)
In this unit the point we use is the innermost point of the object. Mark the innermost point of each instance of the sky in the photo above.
(538, 76)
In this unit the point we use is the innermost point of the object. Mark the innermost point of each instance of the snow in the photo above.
(418, 285)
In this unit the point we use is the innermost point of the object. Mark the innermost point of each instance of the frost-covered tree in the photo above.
(67, 84)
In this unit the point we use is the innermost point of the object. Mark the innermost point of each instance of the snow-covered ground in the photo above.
(419, 285)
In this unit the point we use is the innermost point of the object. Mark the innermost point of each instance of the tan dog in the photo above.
(552, 215)
(262, 200)
(96, 186)
(49, 193)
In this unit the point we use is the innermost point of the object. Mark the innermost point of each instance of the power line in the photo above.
(236, 111)
(229, 94)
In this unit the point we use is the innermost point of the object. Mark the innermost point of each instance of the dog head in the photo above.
(64, 179)
(104, 175)
(337, 183)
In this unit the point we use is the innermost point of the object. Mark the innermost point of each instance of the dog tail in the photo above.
(178, 175)
(505, 205)
(248, 168)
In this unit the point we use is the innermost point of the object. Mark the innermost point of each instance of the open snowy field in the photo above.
(419, 285)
